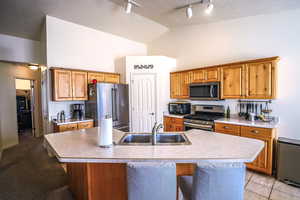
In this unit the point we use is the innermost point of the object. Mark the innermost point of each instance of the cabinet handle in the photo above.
(255, 131)
(225, 127)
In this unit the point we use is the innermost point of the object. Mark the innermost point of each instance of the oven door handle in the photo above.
(196, 125)
(211, 91)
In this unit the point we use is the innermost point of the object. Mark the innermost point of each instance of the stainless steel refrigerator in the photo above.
(109, 99)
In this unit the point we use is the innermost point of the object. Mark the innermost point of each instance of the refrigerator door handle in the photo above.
(114, 107)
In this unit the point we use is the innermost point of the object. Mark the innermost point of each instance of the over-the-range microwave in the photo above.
(205, 91)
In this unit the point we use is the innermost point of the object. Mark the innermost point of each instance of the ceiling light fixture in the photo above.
(189, 12)
(33, 67)
(129, 5)
(209, 7)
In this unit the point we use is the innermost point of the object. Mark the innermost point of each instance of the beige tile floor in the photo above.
(262, 187)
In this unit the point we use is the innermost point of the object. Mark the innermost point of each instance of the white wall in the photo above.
(71, 45)
(162, 68)
(19, 49)
(242, 39)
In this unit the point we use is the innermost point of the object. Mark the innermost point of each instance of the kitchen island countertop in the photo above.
(81, 146)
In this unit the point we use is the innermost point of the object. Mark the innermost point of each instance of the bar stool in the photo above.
(214, 181)
(149, 181)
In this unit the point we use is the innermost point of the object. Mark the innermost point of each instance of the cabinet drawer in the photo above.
(247, 131)
(67, 127)
(175, 120)
(84, 125)
(227, 128)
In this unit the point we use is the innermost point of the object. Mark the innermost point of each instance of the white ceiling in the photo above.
(24, 18)
(163, 12)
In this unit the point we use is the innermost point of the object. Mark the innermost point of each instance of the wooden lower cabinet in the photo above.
(107, 181)
(173, 124)
(73, 126)
(264, 161)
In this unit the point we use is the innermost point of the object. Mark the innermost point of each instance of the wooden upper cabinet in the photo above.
(179, 86)
(175, 85)
(79, 85)
(95, 76)
(259, 80)
(205, 75)
(185, 83)
(232, 82)
(212, 74)
(112, 78)
(198, 76)
(62, 85)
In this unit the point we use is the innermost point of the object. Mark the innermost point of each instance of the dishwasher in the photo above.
(288, 161)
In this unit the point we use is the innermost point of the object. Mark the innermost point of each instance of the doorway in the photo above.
(25, 108)
(143, 102)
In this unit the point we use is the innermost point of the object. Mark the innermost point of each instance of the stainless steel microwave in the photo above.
(205, 91)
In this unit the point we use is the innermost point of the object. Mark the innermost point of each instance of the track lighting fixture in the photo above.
(129, 4)
(189, 12)
(128, 7)
(209, 7)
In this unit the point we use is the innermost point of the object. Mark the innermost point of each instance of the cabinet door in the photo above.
(175, 85)
(112, 78)
(95, 76)
(198, 76)
(263, 162)
(259, 80)
(62, 85)
(232, 83)
(212, 75)
(79, 84)
(184, 85)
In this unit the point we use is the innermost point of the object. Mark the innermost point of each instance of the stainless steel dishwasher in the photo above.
(288, 161)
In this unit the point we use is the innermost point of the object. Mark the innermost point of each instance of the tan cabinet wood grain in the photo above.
(185, 81)
(227, 129)
(259, 78)
(173, 124)
(175, 85)
(85, 125)
(264, 161)
(95, 76)
(179, 85)
(112, 78)
(66, 127)
(79, 85)
(232, 82)
(62, 85)
(198, 76)
(212, 74)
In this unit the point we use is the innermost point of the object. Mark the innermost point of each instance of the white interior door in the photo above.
(143, 102)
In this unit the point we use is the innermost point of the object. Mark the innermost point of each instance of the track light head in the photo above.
(189, 12)
(209, 7)
(128, 7)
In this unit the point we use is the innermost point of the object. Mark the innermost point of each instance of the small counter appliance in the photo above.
(180, 108)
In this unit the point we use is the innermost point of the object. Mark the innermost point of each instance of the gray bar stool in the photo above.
(214, 181)
(149, 181)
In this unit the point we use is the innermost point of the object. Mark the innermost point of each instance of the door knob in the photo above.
(151, 113)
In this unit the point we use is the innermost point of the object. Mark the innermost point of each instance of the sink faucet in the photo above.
(155, 129)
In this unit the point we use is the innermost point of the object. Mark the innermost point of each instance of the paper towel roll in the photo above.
(105, 133)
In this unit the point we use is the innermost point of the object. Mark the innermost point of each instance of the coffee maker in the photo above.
(77, 111)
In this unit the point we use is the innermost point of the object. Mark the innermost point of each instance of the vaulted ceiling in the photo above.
(24, 18)
(163, 12)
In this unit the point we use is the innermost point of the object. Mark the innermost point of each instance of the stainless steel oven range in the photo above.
(203, 117)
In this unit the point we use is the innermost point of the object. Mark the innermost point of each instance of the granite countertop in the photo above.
(243, 122)
(81, 146)
(71, 121)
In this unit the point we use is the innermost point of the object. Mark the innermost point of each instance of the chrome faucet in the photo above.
(155, 129)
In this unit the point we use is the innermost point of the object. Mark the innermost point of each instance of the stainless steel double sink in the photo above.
(161, 139)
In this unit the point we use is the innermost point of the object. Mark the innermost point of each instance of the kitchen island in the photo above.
(100, 173)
